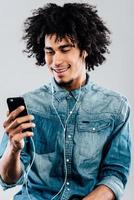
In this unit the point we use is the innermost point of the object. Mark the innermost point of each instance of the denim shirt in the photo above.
(93, 150)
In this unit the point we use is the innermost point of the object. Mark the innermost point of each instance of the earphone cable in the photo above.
(64, 128)
(26, 172)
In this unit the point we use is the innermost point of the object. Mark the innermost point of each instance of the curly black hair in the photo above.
(79, 21)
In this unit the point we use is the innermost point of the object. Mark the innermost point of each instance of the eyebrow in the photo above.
(60, 47)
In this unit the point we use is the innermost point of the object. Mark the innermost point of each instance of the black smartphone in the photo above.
(15, 102)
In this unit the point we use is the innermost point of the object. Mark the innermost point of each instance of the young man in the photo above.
(81, 145)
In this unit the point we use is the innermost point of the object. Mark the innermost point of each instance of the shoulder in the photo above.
(106, 92)
(37, 99)
(109, 101)
(41, 91)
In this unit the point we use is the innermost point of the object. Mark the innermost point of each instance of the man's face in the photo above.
(65, 62)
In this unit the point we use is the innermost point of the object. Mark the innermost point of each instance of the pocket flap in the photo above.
(92, 126)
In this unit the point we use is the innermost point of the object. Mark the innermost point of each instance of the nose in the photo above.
(57, 59)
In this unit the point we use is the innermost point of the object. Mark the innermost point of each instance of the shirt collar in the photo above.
(61, 93)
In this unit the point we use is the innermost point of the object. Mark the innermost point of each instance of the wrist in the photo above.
(13, 150)
(101, 192)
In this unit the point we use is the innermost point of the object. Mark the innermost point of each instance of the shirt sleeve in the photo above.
(116, 159)
(25, 160)
(6, 186)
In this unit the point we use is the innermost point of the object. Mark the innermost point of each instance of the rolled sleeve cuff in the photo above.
(6, 186)
(20, 181)
(114, 184)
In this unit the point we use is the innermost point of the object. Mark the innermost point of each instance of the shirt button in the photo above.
(68, 183)
(67, 160)
(93, 129)
(69, 97)
(69, 136)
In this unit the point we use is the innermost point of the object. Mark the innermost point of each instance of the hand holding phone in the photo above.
(15, 102)
(18, 124)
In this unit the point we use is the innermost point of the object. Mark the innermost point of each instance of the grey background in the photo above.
(18, 74)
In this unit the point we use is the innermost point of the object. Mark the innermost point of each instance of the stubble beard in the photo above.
(64, 84)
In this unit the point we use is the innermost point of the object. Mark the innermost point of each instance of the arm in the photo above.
(116, 158)
(102, 192)
(10, 164)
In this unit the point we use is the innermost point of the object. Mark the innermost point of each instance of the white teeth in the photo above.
(60, 70)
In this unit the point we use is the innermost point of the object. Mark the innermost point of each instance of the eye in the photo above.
(65, 50)
(49, 52)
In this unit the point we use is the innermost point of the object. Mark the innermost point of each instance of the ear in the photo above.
(85, 54)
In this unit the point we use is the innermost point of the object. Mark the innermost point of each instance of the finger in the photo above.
(13, 115)
(20, 128)
(18, 140)
(19, 121)
(20, 136)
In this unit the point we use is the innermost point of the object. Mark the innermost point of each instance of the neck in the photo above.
(69, 88)
(75, 84)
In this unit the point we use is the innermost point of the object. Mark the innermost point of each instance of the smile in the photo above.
(61, 70)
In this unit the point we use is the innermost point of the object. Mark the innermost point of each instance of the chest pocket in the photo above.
(46, 134)
(91, 137)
